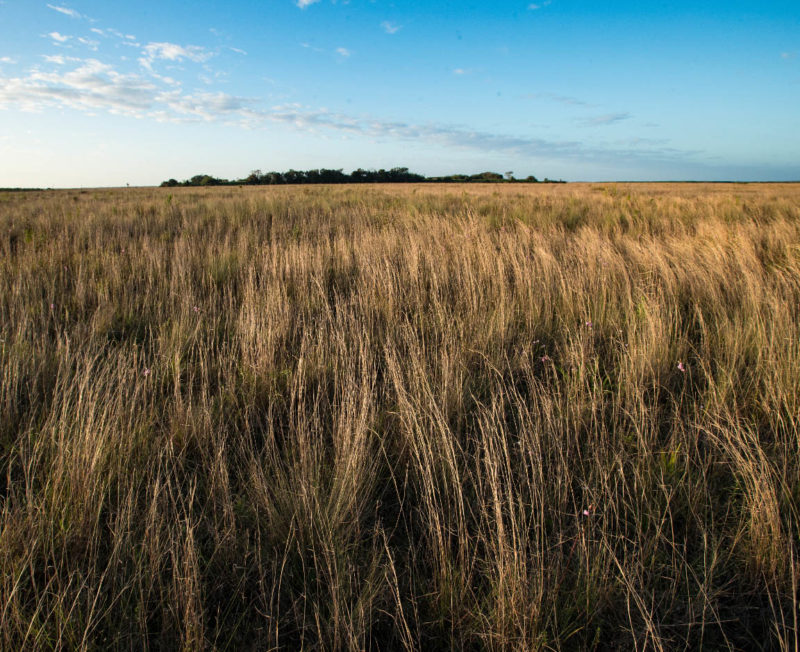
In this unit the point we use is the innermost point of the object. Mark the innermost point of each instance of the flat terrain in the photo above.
(400, 417)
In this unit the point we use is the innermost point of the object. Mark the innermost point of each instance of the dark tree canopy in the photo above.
(322, 175)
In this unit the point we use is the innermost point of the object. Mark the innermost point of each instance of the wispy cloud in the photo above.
(607, 119)
(89, 43)
(59, 38)
(788, 55)
(238, 51)
(129, 38)
(390, 28)
(460, 71)
(91, 86)
(305, 3)
(7, 60)
(203, 106)
(540, 5)
(65, 10)
(62, 39)
(341, 52)
(306, 119)
(172, 52)
(175, 52)
(561, 99)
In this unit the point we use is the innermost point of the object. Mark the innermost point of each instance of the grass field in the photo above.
(400, 417)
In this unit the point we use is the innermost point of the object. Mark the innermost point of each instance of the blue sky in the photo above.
(106, 93)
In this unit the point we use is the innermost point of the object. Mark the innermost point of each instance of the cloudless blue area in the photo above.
(100, 93)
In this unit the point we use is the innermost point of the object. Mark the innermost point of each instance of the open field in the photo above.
(400, 417)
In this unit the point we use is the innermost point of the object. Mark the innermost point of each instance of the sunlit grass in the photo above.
(400, 417)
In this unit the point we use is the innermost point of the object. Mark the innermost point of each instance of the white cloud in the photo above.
(126, 38)
(238, 51)
(92, 86)
(60, 38)
(175, 52)
(305, 3)
(55, 58)
(390, 28)
(340, 51)
(460, 71)
(7, 60)
(788, 55)
(305, 119)
(92, 45)
(66, 11)
(207, 106)
(172, 52)
(113, 32)
(541, 5)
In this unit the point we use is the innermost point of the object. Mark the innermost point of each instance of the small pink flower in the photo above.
(52, 306)
(589, 324)
(146, 371)
(545, 358)
(681, 367)
(586, 512)
(196, 309)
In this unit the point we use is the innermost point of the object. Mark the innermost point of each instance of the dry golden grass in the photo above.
(400, 418)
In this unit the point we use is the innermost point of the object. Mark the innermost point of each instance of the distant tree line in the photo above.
(395, 175)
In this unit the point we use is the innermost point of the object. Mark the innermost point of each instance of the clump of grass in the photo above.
(560, 417)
